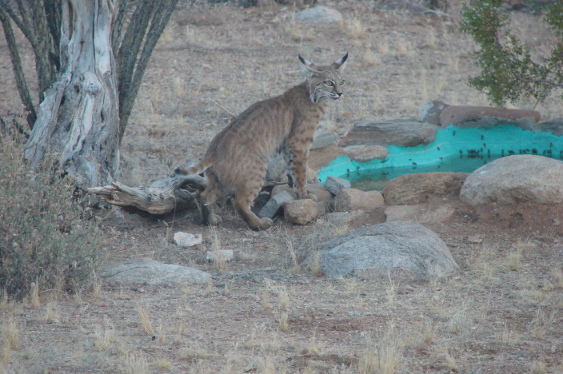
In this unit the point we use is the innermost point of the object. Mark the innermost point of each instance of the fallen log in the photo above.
(164, 196)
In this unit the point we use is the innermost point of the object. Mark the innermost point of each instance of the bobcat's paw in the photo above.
(263, 224)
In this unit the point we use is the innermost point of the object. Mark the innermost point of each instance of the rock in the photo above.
(224, 254)
(335, 184)
(555, 127)
(275, 203)
(352, 199)
(416, 188)
(319, 14)
(300, 212)
(513, 179)
(184, 239)
(365, 153)
(320, 192)
(407, 133)
(323, 139)
(483, 116)
(401, 250)
(431, 111)
(150, 272)
(422, 213)
(321, 157)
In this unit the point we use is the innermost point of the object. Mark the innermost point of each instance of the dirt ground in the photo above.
(266, 311)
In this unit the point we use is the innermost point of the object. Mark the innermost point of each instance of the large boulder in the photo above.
(514, 179)
(408, 133)
(403, 250)
(416, 188)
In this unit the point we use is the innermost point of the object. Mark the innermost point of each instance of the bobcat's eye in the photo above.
(343, 82)
(329, 83)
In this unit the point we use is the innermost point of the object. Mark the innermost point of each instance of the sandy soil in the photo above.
(265, 311)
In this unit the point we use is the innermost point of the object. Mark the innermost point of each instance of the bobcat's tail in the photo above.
(195, 169)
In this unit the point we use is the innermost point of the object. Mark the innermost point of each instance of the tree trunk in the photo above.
(78, 117)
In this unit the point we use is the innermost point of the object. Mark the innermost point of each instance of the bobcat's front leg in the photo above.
(298, 165)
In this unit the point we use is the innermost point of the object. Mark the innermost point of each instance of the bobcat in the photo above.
(237, 158)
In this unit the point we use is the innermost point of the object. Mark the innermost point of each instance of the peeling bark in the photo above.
(174, 192)
(78, 117)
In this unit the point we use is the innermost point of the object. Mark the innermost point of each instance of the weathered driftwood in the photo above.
(161, 197)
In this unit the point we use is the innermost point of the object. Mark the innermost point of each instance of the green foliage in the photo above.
(508, 70)
(43, 237)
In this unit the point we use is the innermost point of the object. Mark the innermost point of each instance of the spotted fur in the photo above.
(237, 157)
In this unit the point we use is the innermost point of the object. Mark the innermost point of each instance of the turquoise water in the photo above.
(455, 150)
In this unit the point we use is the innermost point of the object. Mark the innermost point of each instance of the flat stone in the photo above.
(300, 212)
(365, 153)
(150, 272)
(335, 184)
(483, 116)
(408, 133)
(272, 207)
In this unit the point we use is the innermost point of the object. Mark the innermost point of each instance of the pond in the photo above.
(454, 150)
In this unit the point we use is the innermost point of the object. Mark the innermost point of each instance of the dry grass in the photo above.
(261, 312)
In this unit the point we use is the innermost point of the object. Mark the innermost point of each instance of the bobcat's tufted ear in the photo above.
(310, 67)
(340, 64)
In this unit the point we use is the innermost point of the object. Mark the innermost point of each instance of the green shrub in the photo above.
(43, 236)
(508, 69)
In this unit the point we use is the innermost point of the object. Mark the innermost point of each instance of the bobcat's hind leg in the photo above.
(243, 202)
(208, 199)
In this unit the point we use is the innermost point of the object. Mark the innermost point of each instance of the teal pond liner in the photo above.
(455, 150)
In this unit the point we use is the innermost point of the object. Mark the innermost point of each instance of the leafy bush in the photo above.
(43, 238)
(508, 70)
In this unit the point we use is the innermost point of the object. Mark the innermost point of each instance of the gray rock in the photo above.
(513, 179)
(319, 14)
(150, 272)
(335, 184)
(323, 139)
(402, 250)
(275, 203)
(407, 133)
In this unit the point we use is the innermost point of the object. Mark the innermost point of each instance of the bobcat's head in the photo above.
(325, 81)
